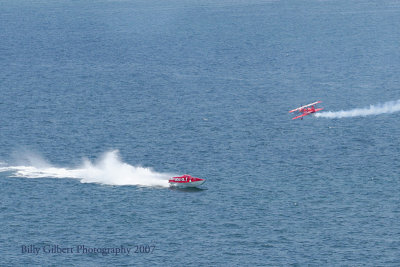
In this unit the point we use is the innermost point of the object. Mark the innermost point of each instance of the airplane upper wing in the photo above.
(305, 106)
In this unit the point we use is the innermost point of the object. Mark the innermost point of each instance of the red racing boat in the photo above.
(186, 181)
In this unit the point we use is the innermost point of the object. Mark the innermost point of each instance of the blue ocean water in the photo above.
(101, 101)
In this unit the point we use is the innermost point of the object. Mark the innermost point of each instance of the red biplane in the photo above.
(306, 110)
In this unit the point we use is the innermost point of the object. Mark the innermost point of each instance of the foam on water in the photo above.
(109, 169)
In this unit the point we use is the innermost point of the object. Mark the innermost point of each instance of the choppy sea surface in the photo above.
(102, 101)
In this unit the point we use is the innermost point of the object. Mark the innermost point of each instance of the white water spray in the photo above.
(388, 107)
(109, 170)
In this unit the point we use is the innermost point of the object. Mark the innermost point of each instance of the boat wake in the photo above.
(108, 169)
(388, 107)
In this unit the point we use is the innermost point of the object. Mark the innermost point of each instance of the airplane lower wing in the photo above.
(302, 115)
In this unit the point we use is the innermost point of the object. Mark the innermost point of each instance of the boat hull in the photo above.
(187, 184)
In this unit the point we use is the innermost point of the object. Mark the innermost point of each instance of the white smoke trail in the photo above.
(388, 107)
(109, 170)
